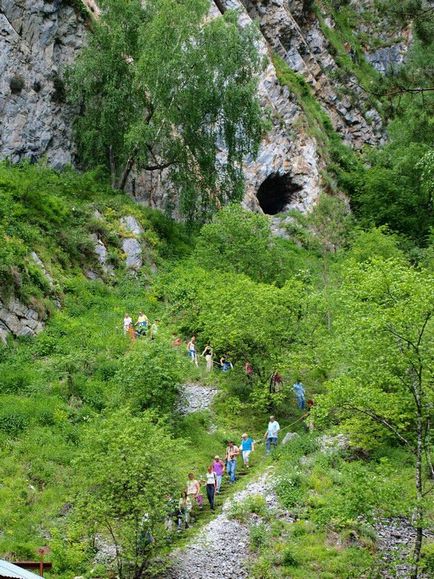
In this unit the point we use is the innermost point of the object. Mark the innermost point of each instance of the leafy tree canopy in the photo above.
(161, 86)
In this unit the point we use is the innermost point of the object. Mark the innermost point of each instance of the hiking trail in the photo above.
(220, 549)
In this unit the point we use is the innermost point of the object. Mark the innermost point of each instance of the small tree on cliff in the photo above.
(160, 86)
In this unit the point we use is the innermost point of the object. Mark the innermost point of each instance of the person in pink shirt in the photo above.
(218, 467)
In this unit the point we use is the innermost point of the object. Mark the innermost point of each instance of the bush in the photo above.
(16, 84)
(149, 376)
(258, 536)
(289, 559)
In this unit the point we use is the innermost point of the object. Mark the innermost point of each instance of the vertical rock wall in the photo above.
(38, 38)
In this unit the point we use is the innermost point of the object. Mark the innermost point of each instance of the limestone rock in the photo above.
(18, 320)
(38, 39)
(133, 252)
(131, 225)
(289, 436)
(42, 267)
(196, 398)
(338, 443)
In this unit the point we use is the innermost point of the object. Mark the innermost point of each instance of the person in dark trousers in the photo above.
(211, 483)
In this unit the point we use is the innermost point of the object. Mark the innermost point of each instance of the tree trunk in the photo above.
(127, 170)
(220, 5)
(419, 491)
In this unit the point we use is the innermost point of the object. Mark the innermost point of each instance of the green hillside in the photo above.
(95, 444)
(316, 307)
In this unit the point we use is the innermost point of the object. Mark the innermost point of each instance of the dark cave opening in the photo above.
(276, 192)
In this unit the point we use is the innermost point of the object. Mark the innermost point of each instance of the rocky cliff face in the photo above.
(40, 37)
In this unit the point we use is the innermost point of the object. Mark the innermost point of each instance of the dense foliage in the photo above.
(161, 88)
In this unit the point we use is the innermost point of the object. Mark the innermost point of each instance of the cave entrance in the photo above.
(276, 192)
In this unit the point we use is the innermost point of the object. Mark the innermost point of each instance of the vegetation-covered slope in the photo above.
(78, 397)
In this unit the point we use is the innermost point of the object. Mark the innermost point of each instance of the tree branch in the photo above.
(159, 166)
(380, 420)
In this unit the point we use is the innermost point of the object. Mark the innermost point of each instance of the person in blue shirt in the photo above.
(247, 446)
(299, 394)
(271, 434)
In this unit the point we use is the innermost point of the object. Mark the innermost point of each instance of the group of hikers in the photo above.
(141, 328)
(191, 497)
(224, 363)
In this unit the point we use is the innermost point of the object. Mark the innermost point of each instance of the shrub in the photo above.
(289, 559)
(258, 536)
(16, 84)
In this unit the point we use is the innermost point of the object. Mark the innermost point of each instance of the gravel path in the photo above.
(222, 547)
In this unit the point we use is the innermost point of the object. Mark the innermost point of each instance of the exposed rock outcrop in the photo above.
(131, 246)
(18, 320)
(38, 38)
(196, 398)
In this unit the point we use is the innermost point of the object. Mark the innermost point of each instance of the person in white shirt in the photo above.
(271, 434)
(127, 323)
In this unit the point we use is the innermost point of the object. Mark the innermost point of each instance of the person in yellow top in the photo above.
(142, 324)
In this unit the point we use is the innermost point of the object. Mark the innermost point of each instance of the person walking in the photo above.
(247, 447)
(127, 323)
(154, 329)
(271, 434)
(218, 466)
(299, 394)
(232, 453)
(191, 350)
(275, 382)
(211, 485)
(142, 324)
(248, 370)
(208, 353)
(193, 490)
(183, 513)
(225, 364)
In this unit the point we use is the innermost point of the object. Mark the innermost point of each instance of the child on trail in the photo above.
(176, 341)
(232, 453)
(271, 434)
(127, 323)
(154, 329)
(191, 350)
(218, 466)
(208, 353)
(247, 446)
(299, 394)
(132, 333)
(193, 490)
(184, 509)
(211, 484)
